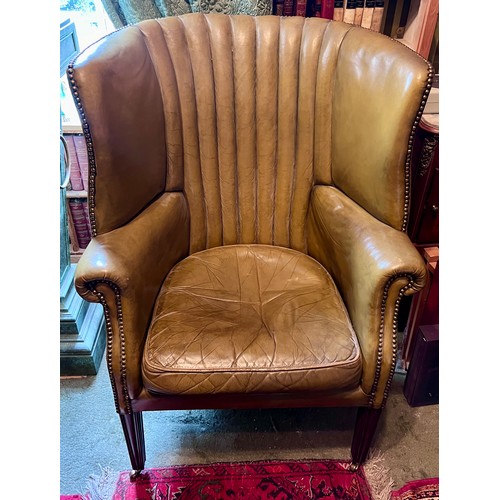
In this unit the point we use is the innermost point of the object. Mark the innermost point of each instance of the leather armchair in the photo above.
(248, 198)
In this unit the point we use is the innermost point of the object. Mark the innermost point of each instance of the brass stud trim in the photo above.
(109, 341)
(380, 344)
(90, 147)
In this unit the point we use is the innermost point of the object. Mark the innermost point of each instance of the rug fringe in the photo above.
(378, 477)
(101, 486)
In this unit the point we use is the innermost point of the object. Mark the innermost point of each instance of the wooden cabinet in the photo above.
(421, 385)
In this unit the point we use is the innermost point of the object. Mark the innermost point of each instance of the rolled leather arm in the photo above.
(124, 270)
(373, 265)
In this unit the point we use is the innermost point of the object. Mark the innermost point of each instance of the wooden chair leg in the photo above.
(134, 436)
(364, 430)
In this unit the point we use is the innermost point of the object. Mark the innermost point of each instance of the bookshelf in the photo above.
(76, 194)
(413, 22)
(366, 13)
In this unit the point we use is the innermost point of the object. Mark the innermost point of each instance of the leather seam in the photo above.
(235, 138)
(216, 126)
(204, 198)
(280, 369)
(276, 150)
(256, 158)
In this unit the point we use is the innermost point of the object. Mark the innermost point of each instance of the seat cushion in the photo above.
(249, 319)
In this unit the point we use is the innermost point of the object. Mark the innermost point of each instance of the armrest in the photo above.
(373, 265)
(124, 270)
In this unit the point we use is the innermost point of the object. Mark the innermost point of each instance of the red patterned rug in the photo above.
(416, 490)
(284, 480)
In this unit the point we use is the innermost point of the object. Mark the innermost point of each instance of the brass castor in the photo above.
(135, 474)
(353, 467)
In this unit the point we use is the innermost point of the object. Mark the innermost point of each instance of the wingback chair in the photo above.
(248, 199)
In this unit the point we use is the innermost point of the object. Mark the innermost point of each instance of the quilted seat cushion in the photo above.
(251, 319)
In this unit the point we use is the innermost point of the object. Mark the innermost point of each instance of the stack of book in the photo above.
(366, 13)
(79, 162)
(76, 194)
(79, 211)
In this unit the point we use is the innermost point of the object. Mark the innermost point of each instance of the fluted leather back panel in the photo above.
(255, 132)
(244, 115)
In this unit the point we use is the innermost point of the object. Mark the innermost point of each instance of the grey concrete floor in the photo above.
(91, 436)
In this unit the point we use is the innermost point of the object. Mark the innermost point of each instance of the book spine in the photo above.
(83, 159)
(300, 8)
(317, 8)
(378, 13)
(338, 10)
(288, 7)
(278, 8)
(366, 20)
(80, 221)
(327, 9)
(75, 178)
(358, 13)
(349, 11)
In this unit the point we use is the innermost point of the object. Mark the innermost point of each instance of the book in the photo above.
(349, 11)
(300, 8)
(317, 8)
(288, 7)
(79, 216)
(366, 20)
(278, 7)
(75, 178)
(358, 12)
(338, 10)
(83, 159)
(327, 9)
(378, 13)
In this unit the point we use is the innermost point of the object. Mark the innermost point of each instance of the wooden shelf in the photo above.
(76, 194)
(421, 25)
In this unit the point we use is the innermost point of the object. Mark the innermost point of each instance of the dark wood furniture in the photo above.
(421, 336)
(422, 380)
(423, 227)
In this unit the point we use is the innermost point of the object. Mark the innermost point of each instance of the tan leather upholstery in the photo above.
(250, 318)
(249, 193)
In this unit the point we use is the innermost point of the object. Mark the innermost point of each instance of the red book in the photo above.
(80, 221)
(83, 159)
(300, 8)
(327, 9)
(75, 177)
